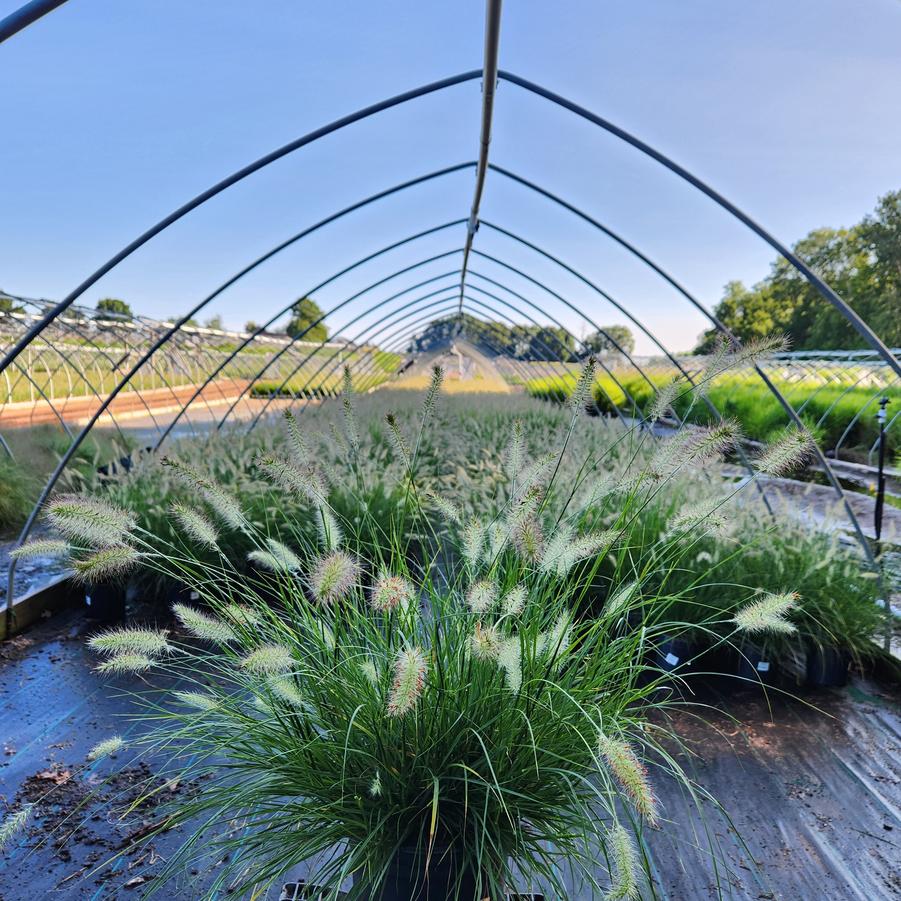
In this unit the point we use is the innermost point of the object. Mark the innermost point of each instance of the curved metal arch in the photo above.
(176, 326)
(403, 335)
(535, 322)
(64, 460)
(322, 284)
(364, 335)
(578, 312)
(622, 388)
(555, 321)
(26, 15)
(319, 346)
(516, 363)
(227, 182)
(831, 296)
(350, 299)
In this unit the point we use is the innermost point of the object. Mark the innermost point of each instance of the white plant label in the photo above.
(671, 659)
(763, 666)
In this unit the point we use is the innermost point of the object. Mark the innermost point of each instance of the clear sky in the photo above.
(114, 113)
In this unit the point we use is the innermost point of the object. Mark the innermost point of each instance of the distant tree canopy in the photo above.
(8, 305)
(862, 263)
(524, 342)
(303, 314)
(601, 342)
(214, 322)
(119, 308)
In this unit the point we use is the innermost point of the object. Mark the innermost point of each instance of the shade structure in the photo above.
(63, 365)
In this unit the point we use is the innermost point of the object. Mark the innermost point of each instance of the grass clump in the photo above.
(460, 700)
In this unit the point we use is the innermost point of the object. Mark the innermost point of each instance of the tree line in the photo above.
(862, 264)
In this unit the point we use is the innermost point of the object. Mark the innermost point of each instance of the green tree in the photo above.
(250, 326)
(8, 305)
(214, 322)
(862, 264)
(600, 342)
(113, 308)
(303, 314)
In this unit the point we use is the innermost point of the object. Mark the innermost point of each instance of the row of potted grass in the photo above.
(834, 414)
(462, 460)
(434, 713)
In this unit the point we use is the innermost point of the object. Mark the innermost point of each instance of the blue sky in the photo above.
(115, 113)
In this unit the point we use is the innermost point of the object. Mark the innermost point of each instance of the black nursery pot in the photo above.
(754, 664)
(105, 601)
(827, 667)
(674, 653)
(409, 880)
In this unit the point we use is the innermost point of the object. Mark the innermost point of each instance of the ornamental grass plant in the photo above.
(346, 702)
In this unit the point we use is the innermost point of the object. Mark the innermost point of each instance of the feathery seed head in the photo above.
(330, 534)
(220, 501)
(106, 748)
(793, 448)
(205, 627)
(375, 787)
(277, 558)
(13, 824)
(285, 689)
(334, 577)
(150, 642)
(631, 774)
(473, 538)
(663, 399)
(196, 526)
(409, 681)
(90, 520)
(625, 865)
(126, 662)
(301, 478)
(390, 593)
(297, 447)
(431, 395)
(582, 391)
(41, 547)
(107, 563)
(445, 507)
(533, 475)
(564, 550)
(369, 670)
(400, 442)
(481, 597)
(515, 456)
(767, 614)
(509, 659)
(707, 514)
(514, 601)
(347, 407)
(528, 538)
(485, 642)
(269, 659)
(200, 700)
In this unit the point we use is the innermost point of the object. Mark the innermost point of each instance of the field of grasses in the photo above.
(71, 370)
(433, 616)
(463, 459)
(831, 411)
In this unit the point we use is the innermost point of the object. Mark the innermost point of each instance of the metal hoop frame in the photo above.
(492, 75)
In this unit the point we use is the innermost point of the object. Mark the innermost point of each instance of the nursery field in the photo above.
(446, 612)
(837, 403)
